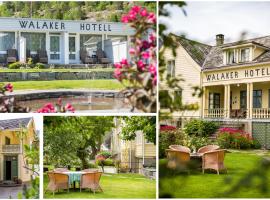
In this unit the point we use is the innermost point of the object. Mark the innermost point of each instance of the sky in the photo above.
(37, 118)
(205, 20)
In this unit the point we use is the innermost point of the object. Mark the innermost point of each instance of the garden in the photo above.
(243, 167)
(83, 158)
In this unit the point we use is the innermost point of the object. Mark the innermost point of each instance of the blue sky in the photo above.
(206, 19)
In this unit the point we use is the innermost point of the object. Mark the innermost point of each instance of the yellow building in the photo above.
(235, 78)
(135, 154)
(14, 134)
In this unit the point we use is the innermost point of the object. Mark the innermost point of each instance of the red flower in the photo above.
(145, 54)
(69, 107)
(8, 87)
(144, 12)
(167, 128)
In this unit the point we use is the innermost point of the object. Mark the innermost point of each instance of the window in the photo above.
(214, 100)
(166, 102)
(7, 141)
(257, 98)
(171, 68)
(91, 43)
(230, 57)
(7, 41)
(243, 99)
(35, 41)
(72, 47)
(244, 53)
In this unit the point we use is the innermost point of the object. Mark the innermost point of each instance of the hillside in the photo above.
(92, 11)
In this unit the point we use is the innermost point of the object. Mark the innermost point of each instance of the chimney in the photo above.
(219, 39)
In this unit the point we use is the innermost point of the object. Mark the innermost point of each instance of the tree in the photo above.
(137, 123)
(73, 138)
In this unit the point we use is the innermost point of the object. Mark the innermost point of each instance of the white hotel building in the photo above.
(63, 39)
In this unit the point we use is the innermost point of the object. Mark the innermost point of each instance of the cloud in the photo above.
(206, 19)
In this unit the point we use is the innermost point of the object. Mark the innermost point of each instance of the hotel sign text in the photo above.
(258, 72)
(55, 25)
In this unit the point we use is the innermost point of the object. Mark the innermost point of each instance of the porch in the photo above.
(237, 101)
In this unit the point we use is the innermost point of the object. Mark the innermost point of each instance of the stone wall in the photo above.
(48, 76)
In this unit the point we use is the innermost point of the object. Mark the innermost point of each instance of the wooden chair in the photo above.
(90, 170)
(90, 181)
(214, 160)
(85, 58)
(57, 181)
(42, 56)
(11, 55)
(178, 159)
(61, 169)
(208, 148)
(180, 148)
(101, 56)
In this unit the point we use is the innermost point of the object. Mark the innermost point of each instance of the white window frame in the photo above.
(247, 57)
(171, 68)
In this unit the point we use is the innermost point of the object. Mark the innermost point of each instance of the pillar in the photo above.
(102, 42)
(225, 100)
(250, 100)
(228, 101)
(65, 49)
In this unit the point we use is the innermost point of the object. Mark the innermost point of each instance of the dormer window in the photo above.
(244, 55)
(230, 57)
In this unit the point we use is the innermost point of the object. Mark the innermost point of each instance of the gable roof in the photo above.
(14, 123)
(211, 57)
(198, 51)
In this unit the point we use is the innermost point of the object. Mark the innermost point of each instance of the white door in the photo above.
(55, 50)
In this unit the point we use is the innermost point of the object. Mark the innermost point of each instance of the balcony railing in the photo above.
(12, 148)
(238, 113)
(261, 113)
(215, 113)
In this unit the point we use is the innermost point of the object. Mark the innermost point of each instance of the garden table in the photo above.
(74, 177)
(197, 158)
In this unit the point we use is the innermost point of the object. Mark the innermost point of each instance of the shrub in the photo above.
(40, 66)
(106, 154)
(15, 65)
(201, 128)
(236, 139)
(109, 162)
(91, 165)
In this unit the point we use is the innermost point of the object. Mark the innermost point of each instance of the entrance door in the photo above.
(243, 99)
(55, 53)
(10, 167)
(72, 48)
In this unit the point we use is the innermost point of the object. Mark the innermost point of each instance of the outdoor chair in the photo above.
(57, 181)
(11, 55)
(208, 148)
(42, 56)
(85, 58)
(61, 169)
(178, 159)
(90, 181)
(101, 56)
(214, 160)
(180, 148)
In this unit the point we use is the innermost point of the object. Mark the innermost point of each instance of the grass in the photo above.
(114, 186)
(210, 185)
(58, 70)
(103, 84)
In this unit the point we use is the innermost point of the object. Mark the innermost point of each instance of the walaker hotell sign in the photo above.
(257, 72)
(40, 25)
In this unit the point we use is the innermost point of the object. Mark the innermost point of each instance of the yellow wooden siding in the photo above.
(257, 52)
(190, 71)
(149, 150)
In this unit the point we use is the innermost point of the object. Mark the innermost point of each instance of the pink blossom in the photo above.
(47, 108)
(132, 51)
(8, 87)
(117, 73)
(152, 69)
(124, 19)
(132, 16)
(69, 107)
(152, 37)
(154, 82)
(151, 18)
(124, 61)
(144, 12)
(118, 65)
(136, 9)
(141, 65)
(145, 44)
(145, 54)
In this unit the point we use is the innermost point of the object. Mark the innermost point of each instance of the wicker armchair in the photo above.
(90, 170)
(101, 56)
(91, 180)
(60, 170)
(180, 148)
(85, 58)
(42, 56)
(214, 160)
(11, 55)
(57, 181)
(208, 148)
(177, 159)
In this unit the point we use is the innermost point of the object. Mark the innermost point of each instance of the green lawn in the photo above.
(114, 186)
(210, 185)
(58, 70)
(68, 84)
